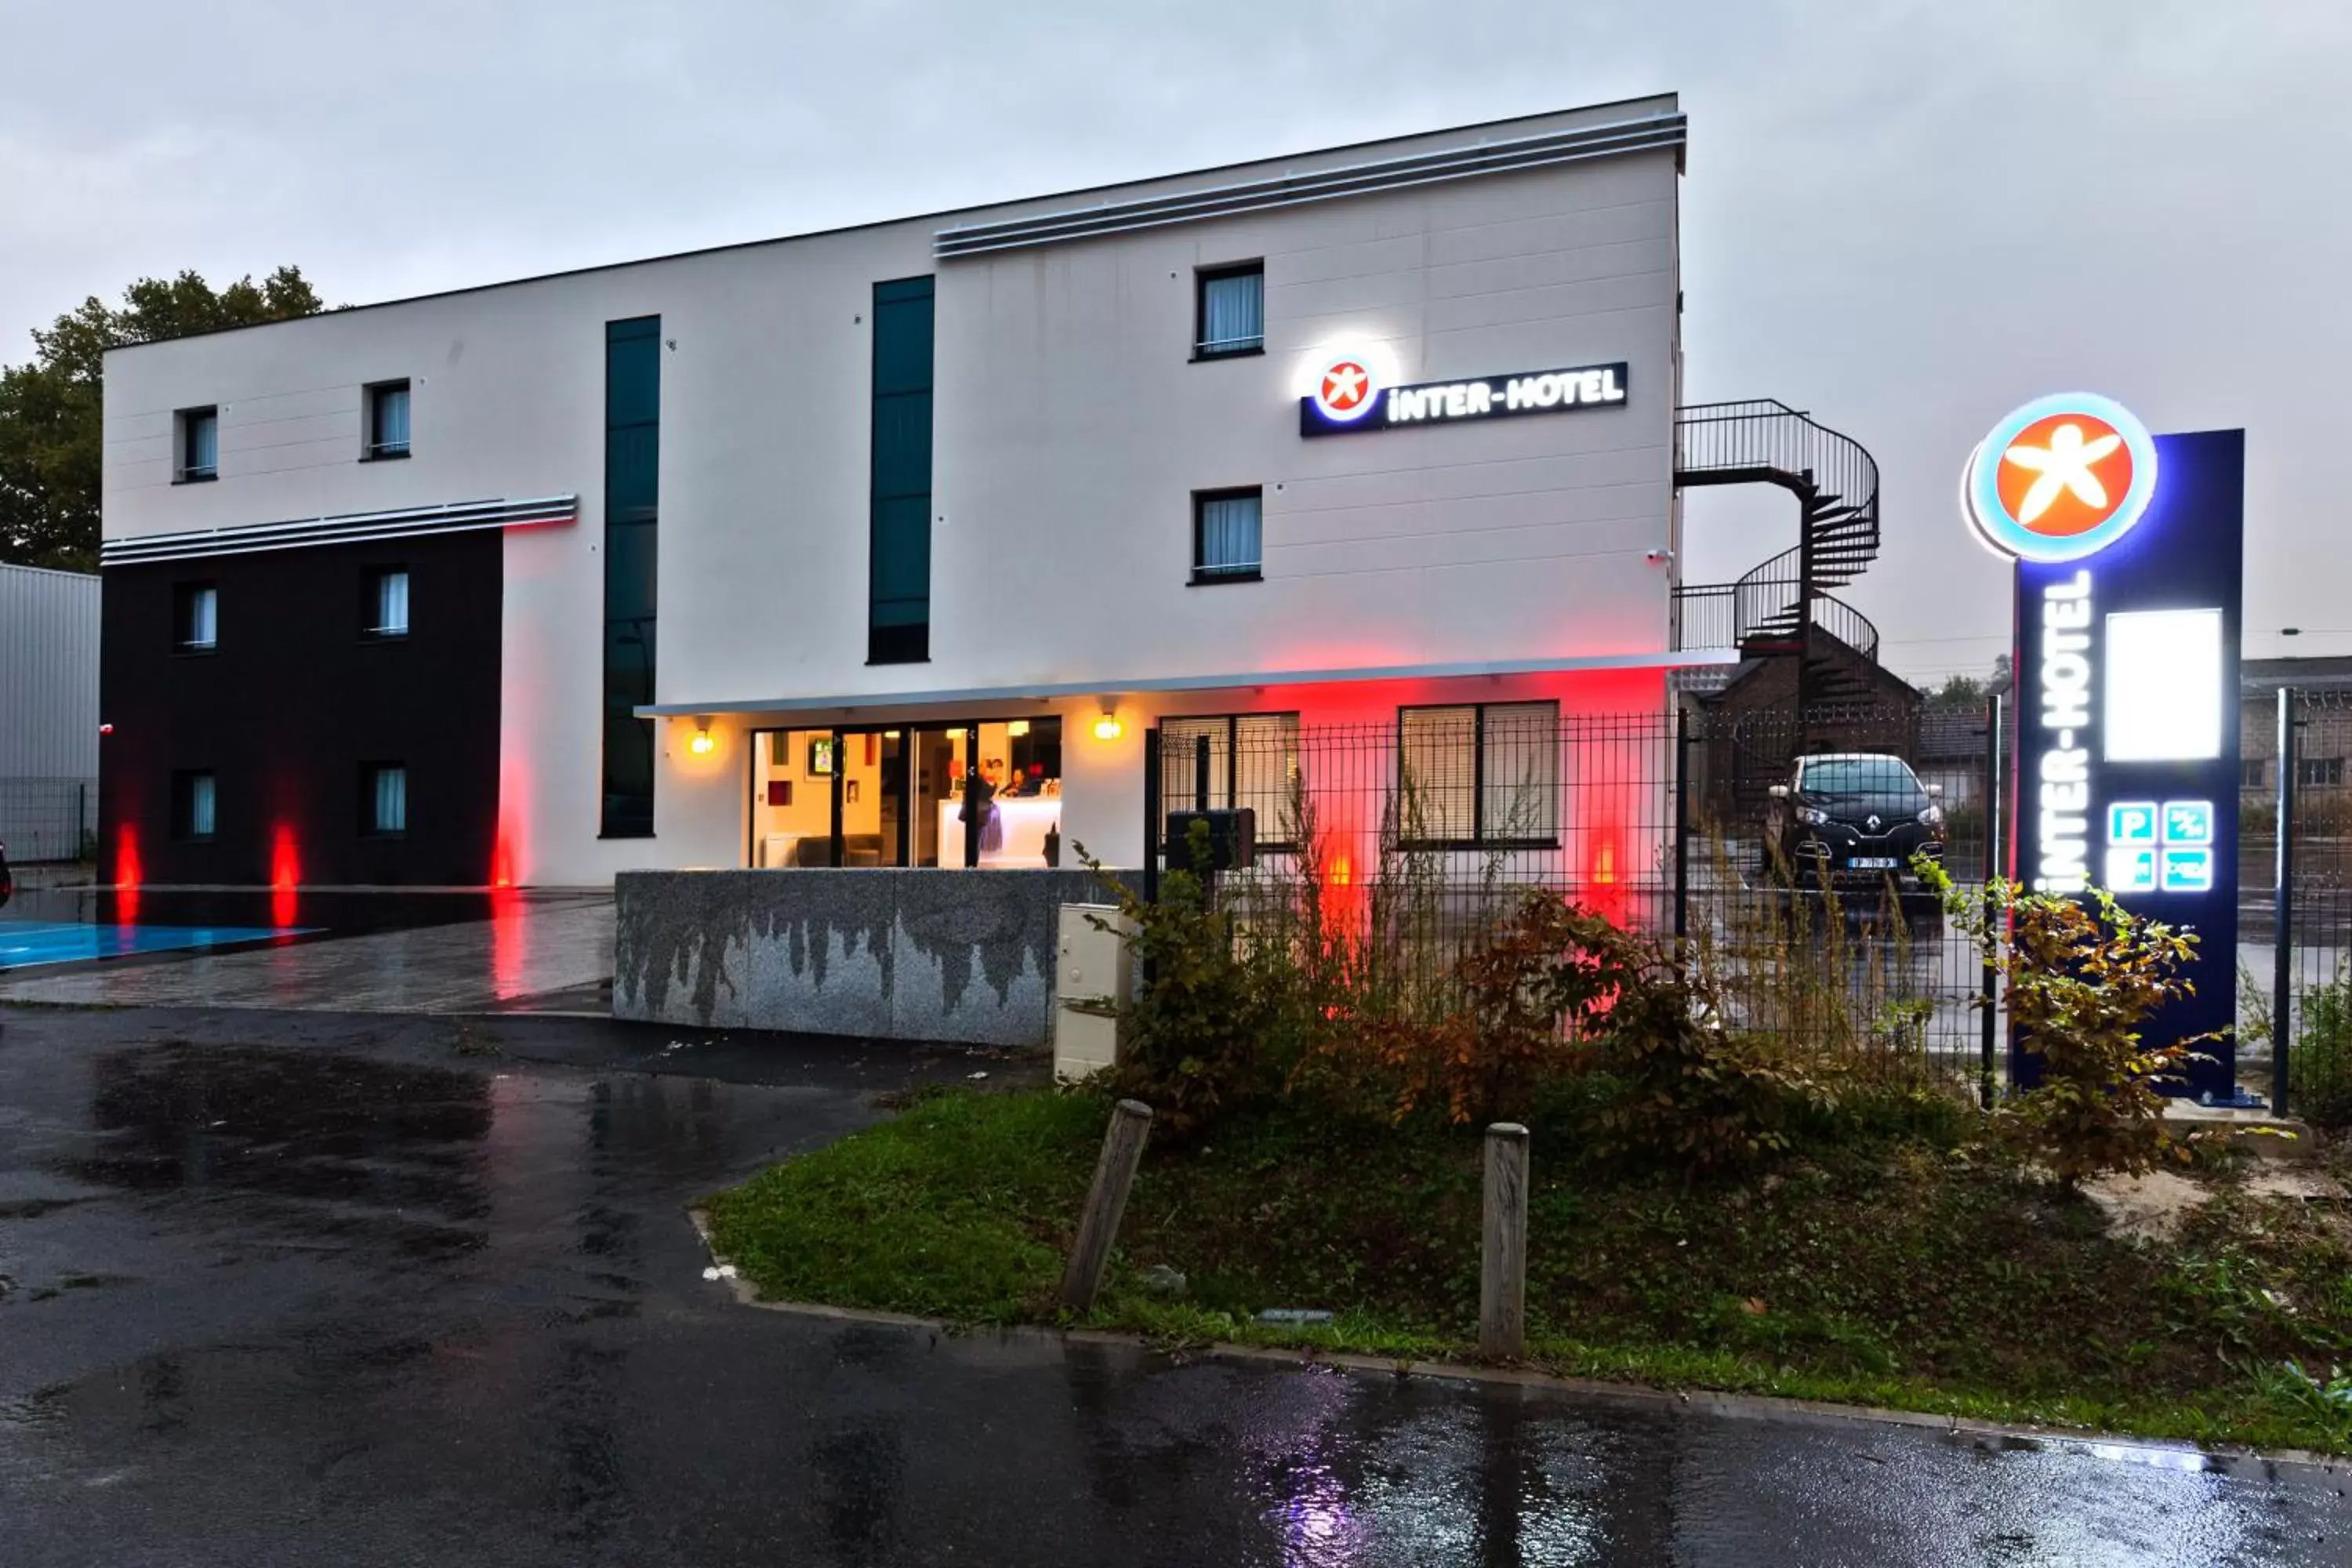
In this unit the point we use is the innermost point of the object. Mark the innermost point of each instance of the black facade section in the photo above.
(631, 532)
(291, 702)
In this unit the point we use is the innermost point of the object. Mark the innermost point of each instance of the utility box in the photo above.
(1093, 981)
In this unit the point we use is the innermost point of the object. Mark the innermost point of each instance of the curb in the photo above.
(2155, 1453)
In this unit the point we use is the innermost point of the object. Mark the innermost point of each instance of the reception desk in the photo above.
(1025, 820)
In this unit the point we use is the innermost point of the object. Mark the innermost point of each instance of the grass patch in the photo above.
(1894, 1272)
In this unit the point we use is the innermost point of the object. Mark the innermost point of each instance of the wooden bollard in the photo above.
(1503, 1270)
(1130, 1121)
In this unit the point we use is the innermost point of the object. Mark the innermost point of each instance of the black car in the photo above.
(7, 878)
(1856, 817)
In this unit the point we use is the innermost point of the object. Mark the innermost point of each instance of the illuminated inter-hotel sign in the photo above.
(1348, 396)
(2129, 566)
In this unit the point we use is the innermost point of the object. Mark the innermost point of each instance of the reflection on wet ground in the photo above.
(309, 1288)
(442, 953)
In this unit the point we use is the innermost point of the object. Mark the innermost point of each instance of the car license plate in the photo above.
(1872, 862)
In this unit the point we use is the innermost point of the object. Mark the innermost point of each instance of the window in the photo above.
(2253, 771)
(1225, 536)
(2319, 772)
(899, 605)
(387, 421)
(195, 806)
(199, 455)
(1483, 776)
(383, 800)
(633, 352)
(1253, 762)
(1231, 311)
(384, 604)
(196, 618)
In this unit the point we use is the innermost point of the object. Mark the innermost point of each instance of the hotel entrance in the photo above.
(981, 792)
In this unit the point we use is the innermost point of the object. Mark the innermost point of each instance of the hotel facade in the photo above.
(754, 557)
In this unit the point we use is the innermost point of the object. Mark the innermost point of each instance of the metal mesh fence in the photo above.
(48, 819)
(2296, 983)
(1405, 843)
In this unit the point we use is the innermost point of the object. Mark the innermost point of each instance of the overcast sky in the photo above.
(1905, 216)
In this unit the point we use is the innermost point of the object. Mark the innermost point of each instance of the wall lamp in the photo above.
(1107, 727)
(702, 744)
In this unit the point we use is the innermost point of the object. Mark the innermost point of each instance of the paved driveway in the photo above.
(309, 1288)
(542, 948)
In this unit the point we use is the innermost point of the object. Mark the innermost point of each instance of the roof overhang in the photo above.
(900, 701)
(345, 528)
(1572, 145)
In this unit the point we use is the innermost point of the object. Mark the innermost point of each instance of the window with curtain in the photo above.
(388, 420)
(1226, 535)
(386, 798)
(1231, 311)
(199, 617)
(195, 805)
(1480, 775)
(199, 443)
(387, 601)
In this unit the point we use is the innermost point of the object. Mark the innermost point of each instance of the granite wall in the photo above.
(957, 955)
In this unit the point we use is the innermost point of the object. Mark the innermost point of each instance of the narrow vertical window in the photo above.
(195, 806)
(383, 800)
(387, 420)
(632, 520)
(898, 623)
(1226, 535)
(199, 455)
(196, 618)
(384, 604)
(1230, 319)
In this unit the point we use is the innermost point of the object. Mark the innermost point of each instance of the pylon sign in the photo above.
(2130, 564)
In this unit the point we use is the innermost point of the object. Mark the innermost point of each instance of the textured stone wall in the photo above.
(956, 956)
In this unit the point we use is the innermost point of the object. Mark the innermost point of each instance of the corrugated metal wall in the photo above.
(48, 712)
(48, 674)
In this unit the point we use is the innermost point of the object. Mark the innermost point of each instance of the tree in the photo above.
(1958, 692)
(52, 437)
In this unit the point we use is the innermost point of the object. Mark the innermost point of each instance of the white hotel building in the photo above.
(747, 557)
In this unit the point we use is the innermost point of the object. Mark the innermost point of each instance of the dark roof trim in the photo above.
(911, 218)
(1543, 150)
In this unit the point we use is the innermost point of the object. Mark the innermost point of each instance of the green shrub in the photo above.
(2319, 1069)
(2085, 976)
(1215, 1027)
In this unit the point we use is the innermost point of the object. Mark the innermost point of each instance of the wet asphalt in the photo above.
(308, 1288)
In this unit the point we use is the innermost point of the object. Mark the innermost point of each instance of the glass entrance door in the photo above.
(875, 798)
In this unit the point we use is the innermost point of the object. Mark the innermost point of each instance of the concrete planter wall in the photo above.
(956, 956)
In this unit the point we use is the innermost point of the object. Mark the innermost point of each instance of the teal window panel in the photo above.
(633, 352)
(899, 573)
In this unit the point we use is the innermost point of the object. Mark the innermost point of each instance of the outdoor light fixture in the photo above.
(702, 744)
(1017, 727)
(1108, 728)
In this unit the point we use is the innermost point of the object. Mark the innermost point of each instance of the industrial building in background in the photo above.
(49, 713)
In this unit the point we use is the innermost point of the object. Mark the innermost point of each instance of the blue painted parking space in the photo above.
(25, 944)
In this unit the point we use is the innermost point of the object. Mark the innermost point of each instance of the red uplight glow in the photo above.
(126, 876)
(285, 875)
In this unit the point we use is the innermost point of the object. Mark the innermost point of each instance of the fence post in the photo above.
(1502, 1263)
(2283, 904)
(1131, 1121)
(1151, 825)
(1681, 829)
(1995, 823)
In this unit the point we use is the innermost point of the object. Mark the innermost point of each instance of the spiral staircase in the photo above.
(1787, 607)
